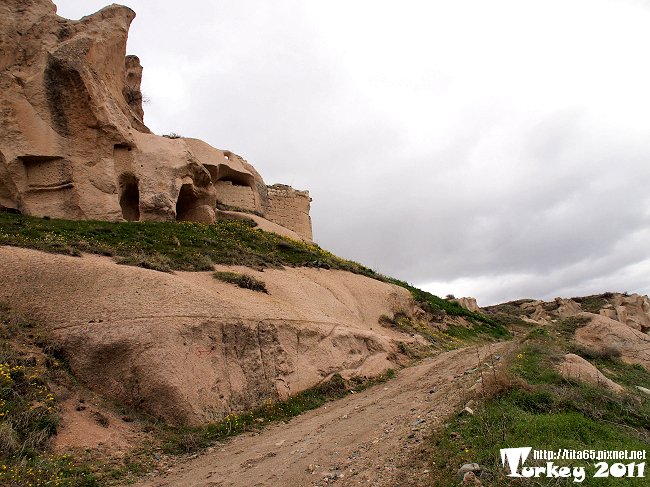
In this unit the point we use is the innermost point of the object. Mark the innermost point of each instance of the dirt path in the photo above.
(359, 440)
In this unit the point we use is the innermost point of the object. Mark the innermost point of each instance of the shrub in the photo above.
(607, 352)
(245, 281)
(153, 262)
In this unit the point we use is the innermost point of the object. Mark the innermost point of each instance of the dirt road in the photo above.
(359, 440)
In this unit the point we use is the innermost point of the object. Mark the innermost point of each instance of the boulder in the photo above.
(469, 304)
(577, 368)
(602, 334)
(632, 310)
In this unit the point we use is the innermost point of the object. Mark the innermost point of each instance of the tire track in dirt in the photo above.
(361, 439)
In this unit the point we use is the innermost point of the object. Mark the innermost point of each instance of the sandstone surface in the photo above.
(73, 142)
(188, 348)
(469, 303)
(602, 334)
(577, 368)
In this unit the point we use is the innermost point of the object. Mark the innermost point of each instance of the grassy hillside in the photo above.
(531, 404)
(169, 246)
(166, 247)
(29, 375)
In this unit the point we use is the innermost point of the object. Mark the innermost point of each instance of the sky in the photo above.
(496, 149)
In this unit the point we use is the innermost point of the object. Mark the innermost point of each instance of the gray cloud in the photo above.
(502, 154)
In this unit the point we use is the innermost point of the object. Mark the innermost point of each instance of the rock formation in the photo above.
(468, 303)
(633, 310)
(577, 368)
(190, 349)
(73, 143)
(610, 324)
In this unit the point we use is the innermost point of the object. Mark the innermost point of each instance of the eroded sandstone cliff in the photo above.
(190, 349)
(73, 143)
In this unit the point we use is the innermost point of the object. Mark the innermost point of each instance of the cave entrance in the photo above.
(129, 197)
(186, 204)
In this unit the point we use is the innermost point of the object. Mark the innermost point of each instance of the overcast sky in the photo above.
(494, 149)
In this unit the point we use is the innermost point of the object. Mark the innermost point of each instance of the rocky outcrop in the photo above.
(132, 86)
(188, 348)
(577, 368)
(73, 143)
(609, 324)
(469, 304)
(633, 310)
(602, 335)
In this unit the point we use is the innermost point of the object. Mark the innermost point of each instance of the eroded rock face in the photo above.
(188, 348)
(468, 303)
(132, 86)
(633, 310)
(602, 334)
(73, 143)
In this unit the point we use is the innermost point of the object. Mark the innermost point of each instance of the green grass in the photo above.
(608, 362)
(534, 406)
(522, 418)
(481, 325)
(245, 281)
(439, 340)
(170, 246)
(594, 303)
(27, 406)
(50, 471)
(29, 411)
(568, 326)
(534, 364)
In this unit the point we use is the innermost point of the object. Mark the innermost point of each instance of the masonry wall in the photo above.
(290, 208)
(235, 195)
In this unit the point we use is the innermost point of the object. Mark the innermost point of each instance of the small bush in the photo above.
(386, 320)
(242, 280)
(153, 262)
(532, 401)
(538, 332)
(607, 352)
(500, 383)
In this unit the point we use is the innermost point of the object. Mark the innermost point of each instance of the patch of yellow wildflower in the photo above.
(52, 473)
(6, 370)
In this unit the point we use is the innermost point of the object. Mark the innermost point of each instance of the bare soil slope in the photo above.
(188, 348)
(363, 439)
